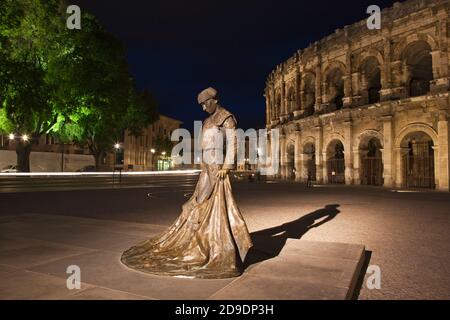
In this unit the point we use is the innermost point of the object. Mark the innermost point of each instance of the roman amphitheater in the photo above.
(368, 107)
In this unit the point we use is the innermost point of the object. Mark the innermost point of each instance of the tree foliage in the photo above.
(74, 84)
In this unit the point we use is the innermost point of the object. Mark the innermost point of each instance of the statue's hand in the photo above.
(221, 174)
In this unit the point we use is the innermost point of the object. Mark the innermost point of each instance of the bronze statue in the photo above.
(209, 239)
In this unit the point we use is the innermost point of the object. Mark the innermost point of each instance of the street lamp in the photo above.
(25, 138)
(163, 153)
(12, 136)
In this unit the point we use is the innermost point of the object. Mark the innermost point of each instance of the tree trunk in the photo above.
(98, 158)
(23, 151)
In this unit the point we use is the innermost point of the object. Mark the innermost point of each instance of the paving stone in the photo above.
(97, 293)
(251, 287)
(24, 285)
(105, 269)
(37, 254)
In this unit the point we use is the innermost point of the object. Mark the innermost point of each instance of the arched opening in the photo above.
(371, 76)
(336, 162)
(278, 106)
(418, 161)
(371, 162)
(309, 154)
(291, 100)
(290, 165)
(309, 93)
(418, 68)
(335, 83)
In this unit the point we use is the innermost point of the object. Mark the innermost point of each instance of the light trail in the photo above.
(79, 174)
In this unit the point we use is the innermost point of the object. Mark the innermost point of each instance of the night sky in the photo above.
(177, 48)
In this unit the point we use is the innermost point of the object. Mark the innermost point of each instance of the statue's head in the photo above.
(209, 100)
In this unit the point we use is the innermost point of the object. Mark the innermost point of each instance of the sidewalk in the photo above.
(35, 251)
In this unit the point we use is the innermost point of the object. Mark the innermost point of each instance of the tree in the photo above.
(74, 84)
(29, 33)
(99, 94)
(163, 144)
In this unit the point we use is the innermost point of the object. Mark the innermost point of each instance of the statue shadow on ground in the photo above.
(268, 243)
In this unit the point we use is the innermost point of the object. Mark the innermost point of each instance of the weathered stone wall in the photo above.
(48, 161)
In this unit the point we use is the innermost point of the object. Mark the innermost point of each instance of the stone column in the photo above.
(324, 92)
(364, 89)
(297, 92)
(303, 172)
(298, 156)
(324, 167)
(399, 153)
(356, 166)
(348, 92)
(283, 110)
(443, 163)
(268, 116)
(274, 104)
(436, 166)
(386, 80)
(283, 156)
(348, 148)
(398, 90)
(318, 85)
(302, 99)
(436, 62)
(387, 153)
(319, 155)
(440, 82)
(356, 79)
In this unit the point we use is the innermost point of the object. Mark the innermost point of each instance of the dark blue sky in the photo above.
(176, 48)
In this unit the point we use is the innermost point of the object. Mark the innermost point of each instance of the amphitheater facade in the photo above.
(368, 107)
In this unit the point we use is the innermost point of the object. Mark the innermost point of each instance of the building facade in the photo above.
(143, 153)
(368, 107)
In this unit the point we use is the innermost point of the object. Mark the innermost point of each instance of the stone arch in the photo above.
(333, 136)
(291, 101)
(308, 91)
(270, 106)
(416, 164)
(334, 84)
(400, 48)
(309, 171)
(366, 135)
(367, 53)
(417, 63)
(277, 104)
(309, 139)
(335, 161)
(371, 74)
(335, 64)
(370, 158)
(290, 159)
(416, 127)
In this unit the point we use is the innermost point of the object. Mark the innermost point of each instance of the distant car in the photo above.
(10, 169)
(87, 169)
